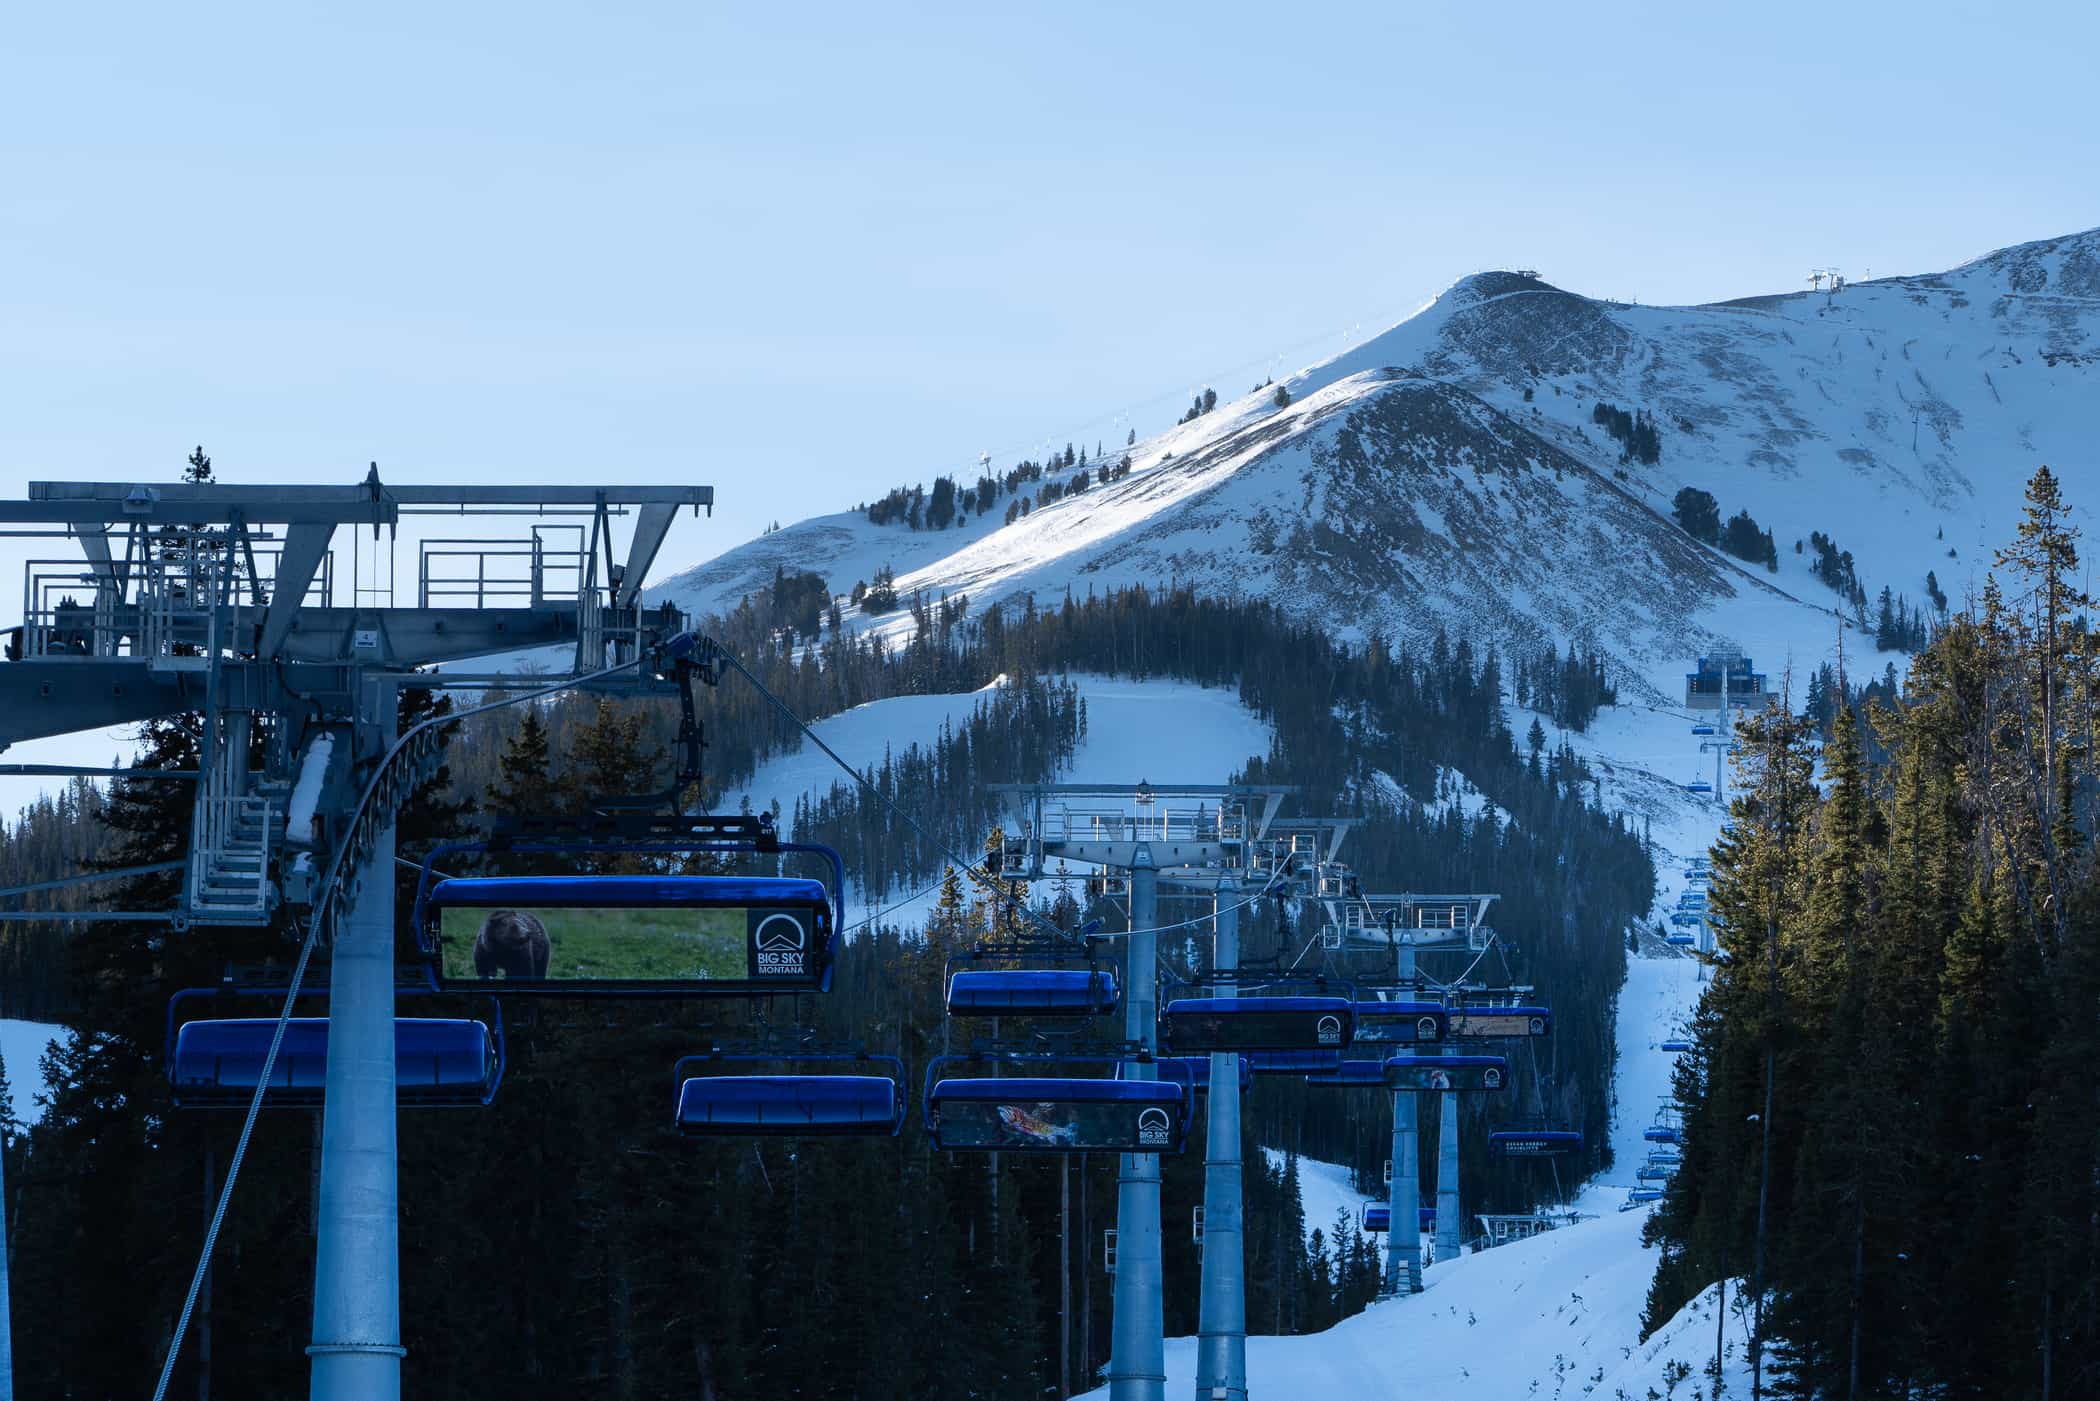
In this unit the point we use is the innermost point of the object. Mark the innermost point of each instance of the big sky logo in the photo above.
(1155, 1128)
(779, 944)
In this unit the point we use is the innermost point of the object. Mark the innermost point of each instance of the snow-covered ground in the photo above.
(1323, 1189)
(22, 1047)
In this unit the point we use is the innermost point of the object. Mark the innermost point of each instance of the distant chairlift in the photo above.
(789, 1106)
(1698, 785)
(1682, 940)
(1674, 1044)
(1661, 1133)
(1704, 730)
(1378, 1218)
(1257, 1023)
(1534, 1142)
(1455, 1073)
(1064, 1114)
(1399, 1023)
(1496, 1023)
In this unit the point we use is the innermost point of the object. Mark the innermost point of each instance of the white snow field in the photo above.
(22, 1046)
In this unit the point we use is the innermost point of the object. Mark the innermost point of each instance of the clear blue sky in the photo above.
(804, 252)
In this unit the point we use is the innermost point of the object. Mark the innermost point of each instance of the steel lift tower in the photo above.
(1284, 861)
(1403, 925)
(225, 601)
(1184, 831)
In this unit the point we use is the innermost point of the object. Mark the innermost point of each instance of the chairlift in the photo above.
(1675, 1044)
(1654, 1172)
(1456, 1073)
(1660, 1133)
(216, 1063)
(1258, 1023)
(1682, 941)
(1640, 1196)
(1060, 990)
(654, 935)
(1377, 1218)
(1399, 1023)
(1534, 1142)
(1698, 785)
(1061, 1114)
(788, 1106)
(1705, 730)
(1491, 1023)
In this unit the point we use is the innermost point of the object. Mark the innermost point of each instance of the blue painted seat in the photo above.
(437, 1062)
(791, 1106)
(1377, 1219)
(1292, 1062)
(1032, 992)
(1644, 1194)
(1676, 1043)
(1659, 1133)
(1499, 1023)
(1683, 941)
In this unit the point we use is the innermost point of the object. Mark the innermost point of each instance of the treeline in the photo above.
(1889, 1100)
(59, 835)
(1570, 689)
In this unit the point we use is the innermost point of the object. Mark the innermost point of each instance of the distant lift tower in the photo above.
(1404, 925)
(223, 600)
(1186, 832)
(1284, 860)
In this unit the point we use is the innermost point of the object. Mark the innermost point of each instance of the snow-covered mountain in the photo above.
(1448, 473)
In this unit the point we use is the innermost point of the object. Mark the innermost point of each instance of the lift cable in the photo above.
(324, 904)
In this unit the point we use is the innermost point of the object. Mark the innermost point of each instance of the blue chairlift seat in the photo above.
(1640, 1195)
(1194, 1072)
(1683, 940)
(789, 1106)
(1698, 785)
(1499, 1023)
(1351, 1075)
(1534, 1143)
(1032, 992)
(1256, 1023)
(1455, 1073)
(1684, 918)
(1660, 1133)
(1399, 1023)
(1377, 1219)
(1653, 1172)
(1058, 1115)
(1676, 1043)
(1703, 730)
(438, 1062)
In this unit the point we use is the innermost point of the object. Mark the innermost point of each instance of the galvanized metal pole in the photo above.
(1137, 1359)
(1221, 1326)
(1403, 1239)
(1447, 1222)
(356, 1347)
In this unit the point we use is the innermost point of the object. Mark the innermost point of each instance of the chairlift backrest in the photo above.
(1256, 1023)
(1399, 1023)
(1032, 992)
(1499, 1023)
(1455, 1073)
(1057, 1115)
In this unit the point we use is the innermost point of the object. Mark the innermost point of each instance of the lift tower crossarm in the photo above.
(201, 503)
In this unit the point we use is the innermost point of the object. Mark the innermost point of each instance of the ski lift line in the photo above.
(324, 899)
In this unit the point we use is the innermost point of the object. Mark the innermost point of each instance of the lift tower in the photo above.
(1149, 829)
(225, 600)
(1403, 925)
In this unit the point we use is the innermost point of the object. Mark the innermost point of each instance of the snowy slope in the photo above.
(1410, 485)
(22, 1047)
